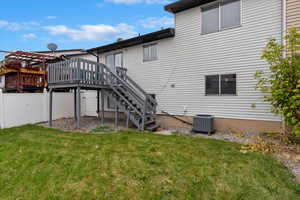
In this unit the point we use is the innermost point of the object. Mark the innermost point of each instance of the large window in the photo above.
(221, 15)
(150, 52)
(220, 84)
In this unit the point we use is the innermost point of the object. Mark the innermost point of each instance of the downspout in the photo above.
(284, 43)
(284, 24)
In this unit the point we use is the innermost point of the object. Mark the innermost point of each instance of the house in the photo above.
(206, 64)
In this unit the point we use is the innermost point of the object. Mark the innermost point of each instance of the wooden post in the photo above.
(78, 108)
(102, 106)
(75, 105)
(50, 106)
(116, 116)
(127, 119)
(98, 103)
(144, 115)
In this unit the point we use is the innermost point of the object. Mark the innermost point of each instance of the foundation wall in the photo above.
(222, 124)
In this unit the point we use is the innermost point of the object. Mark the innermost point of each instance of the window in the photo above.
(150, 52)
(220, 84)
(222, 15)
(228, 84)
(210, 19)
(114, 60)
(212, 85)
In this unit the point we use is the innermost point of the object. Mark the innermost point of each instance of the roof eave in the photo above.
(182, 5)
(150, 37)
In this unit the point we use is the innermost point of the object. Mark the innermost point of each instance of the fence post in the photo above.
(2, 116)
(45, 105)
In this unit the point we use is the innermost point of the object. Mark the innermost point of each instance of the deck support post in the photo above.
(116, 116)
(127, 119)
(102, 106)
(142, 128)
(75, 104)
(98, 103)
(78, 108)
(50, 106)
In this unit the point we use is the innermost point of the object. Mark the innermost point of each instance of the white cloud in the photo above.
(29, 36)
(3, 23)
(16, 26)
(51, 17)
(155, 22)
(140, 1)
(93, 32)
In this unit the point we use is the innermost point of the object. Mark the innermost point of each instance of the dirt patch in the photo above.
(87, 124)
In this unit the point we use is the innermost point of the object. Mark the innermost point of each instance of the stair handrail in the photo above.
(149, 97)
(119, 79)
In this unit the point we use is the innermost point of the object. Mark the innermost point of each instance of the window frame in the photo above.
(150, 45)
(219, 2)
(220, 85)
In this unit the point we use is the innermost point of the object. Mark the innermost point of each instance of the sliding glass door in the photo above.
(114, 60)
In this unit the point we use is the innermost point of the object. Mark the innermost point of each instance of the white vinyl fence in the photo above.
(18, 109)
(28, 108)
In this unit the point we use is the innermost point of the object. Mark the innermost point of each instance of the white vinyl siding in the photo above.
(186, 59)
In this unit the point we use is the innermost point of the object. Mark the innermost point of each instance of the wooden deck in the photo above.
(83, 74)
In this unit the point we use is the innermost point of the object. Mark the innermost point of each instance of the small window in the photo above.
(230, 14)
(210, 19)
(220, 16)
(220, 84)
(212, 85)
(228, 84)
(150, 52)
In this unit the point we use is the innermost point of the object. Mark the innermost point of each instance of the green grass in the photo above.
(102, 129)
(40, 163)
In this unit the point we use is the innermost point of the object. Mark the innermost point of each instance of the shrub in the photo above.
(282, 85)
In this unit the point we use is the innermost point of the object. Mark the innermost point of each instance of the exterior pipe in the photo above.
(284, 24)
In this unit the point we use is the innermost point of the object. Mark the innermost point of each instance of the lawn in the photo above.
(40, 163)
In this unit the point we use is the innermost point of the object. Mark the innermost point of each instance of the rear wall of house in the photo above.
(178, 76)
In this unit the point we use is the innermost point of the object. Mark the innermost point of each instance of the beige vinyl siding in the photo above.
(183, 61)
(293, 13)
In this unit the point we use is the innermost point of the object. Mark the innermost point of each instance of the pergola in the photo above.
(31, 59)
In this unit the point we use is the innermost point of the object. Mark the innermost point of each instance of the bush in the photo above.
(282, 86)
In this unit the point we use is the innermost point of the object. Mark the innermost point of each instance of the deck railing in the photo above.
(75, 71)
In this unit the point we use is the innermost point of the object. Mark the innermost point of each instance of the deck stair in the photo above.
(138, 106)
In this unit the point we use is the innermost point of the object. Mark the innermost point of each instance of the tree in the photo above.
(282, 85)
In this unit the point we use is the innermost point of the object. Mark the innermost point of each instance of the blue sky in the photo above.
(30, 25)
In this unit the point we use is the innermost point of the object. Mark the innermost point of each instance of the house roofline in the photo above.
(150, 37)
(182, 5)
